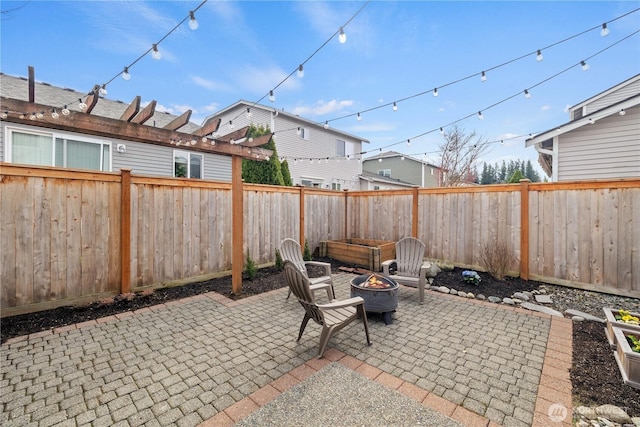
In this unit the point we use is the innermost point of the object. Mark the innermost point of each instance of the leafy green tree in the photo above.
(263, 172)
(516, 177)
(286, 174)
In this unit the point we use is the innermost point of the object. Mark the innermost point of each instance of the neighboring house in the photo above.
(41, 142)
(601, 140)
(403, 168)
(317, 156)
(374, 181)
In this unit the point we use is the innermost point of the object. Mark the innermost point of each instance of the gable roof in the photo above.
(243, 103)
(374, 177)
(605, 92)
(392, 154)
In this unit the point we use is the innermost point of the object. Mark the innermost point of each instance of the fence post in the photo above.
(125, 231)
(346, 213)
(524, 228)
(414, 214)
(301, 216)
(237, 225)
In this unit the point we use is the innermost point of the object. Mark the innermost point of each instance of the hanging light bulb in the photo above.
(501, 142)
(480, 116)
(82, 105)
(40, 115)
(125, 74)
(155, 53)
(103, 90)
(248, 114)
(230, 125)
(272, 97)
(193, 23)
(408, 143)
(65, 111)
(300, 71)
(359, 117)
(380, 160)
(326, 160)
(342, 38)
(441, 131)
(604, 31)
(622, 112)
(539, 56)
(54, 114)
(326, 124)
(298, 131)
(22, 115)
(483, 77)
(4, 114)
(435, 92)
(32, 116)
(395, 107)
(585, 66)
(527, 94)
(591, 121)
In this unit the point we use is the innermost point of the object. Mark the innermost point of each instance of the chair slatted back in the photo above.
(290, 251)
(409, 256)
(299, 284)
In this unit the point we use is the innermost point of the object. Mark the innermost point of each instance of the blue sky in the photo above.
(394, 50)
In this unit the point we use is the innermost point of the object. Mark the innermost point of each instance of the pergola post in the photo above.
(237, 225)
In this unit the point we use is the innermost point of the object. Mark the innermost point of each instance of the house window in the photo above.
(376, 187)
(340, 148)
(336, 186)
(304, 133)
(385, 172)
(56, 149)
(309, 183)
(431, 171)
(187, 165)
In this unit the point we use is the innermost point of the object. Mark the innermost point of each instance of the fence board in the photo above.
(41, 246)
(58, 239)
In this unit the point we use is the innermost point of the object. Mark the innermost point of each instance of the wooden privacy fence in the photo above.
(62, 239)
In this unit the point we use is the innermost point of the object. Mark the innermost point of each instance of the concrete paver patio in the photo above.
(212, 361)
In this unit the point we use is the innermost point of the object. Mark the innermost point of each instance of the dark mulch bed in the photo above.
(590, 386)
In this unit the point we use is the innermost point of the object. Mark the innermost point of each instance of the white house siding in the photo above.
(406, 170)
(610, 148)
(614, 97)
(321, 144)
(1, 142)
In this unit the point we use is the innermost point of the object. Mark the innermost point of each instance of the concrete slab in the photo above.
(541, 309)
(543, 299)
(584, 315)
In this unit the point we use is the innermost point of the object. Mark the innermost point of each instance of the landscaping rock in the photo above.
(481, 297)
(543, 299)
(443, 289)
(541, 309)
(521, 296)
(508, 301)
(517, 301)
(462, 294)
(453, 291)
(636, 421)
(613, 413)
(495, 299)
(577, 319)
(434, 288)
(442, 265)
(432, 270)
(584, 315)
(586, 412)
(471, 295)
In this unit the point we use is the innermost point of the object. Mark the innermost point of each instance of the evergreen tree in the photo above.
(502, 177)
(516, 177)
(263, 172)
(286, 174)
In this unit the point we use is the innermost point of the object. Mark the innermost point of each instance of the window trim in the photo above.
(344, 147)
(304, 133)
(384, 172)
(55, 135)
(188, 155)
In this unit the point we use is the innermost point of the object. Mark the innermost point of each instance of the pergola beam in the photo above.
(131, 110)
(179, 122)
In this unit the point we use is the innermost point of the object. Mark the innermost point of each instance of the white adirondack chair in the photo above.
(290, 251)
(411, 268)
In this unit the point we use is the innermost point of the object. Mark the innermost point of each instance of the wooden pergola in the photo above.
(130, 127)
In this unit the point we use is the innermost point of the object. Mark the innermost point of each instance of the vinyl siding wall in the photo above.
(610, 148)
(321, 144)
(614, 97)
(405, 170)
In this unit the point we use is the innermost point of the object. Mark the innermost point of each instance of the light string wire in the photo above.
(309, 57)
(496, 103)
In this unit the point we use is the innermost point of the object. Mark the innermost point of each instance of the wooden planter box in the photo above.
(612, 323)
(628, 360)
(362, 252)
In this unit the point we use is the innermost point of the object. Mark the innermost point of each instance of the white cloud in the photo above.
(175, 109)
(211, 107)
(322, 107)
(566, 108)
(209, 84)
(545, 107)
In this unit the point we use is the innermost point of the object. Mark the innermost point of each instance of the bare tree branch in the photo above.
(459, 154)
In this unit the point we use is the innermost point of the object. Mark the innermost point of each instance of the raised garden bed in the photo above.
(362, 252)
(612, 323)
(628, 360)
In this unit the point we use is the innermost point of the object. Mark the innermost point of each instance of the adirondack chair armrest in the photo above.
(326, 265)
(351, 302)
(386, 265)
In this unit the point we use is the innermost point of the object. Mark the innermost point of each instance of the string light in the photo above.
(605, 31)
(483, 77)
(249, 114)
(32, 116)
(300, 71)
(103, 90)
(622, 112)
(54, 114)
(4, 114)
(585, 66)
(125, 74)
(272, 97)
(435, 92)
(408, 143)
(298, 131)
(359, 117)
(441, 131)
(230, 125)
(65, 111)
(82, 105)
(480, 116)
(527, 94)
(40, 115)
(539, 56)
(155, 53)
(395, 107)
(342, 38)
(193, 23)
(326, 124)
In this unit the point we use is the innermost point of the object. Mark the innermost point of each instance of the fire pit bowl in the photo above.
(380, 294)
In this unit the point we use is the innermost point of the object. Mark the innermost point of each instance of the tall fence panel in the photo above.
(178, 229)
(324, 214)
(586, 233)
(59, 235)
(380, 215)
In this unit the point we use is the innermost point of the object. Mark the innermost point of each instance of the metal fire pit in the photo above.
(380, 294)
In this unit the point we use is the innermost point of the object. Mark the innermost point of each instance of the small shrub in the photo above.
(307, 253)
(496, 258)
(250, 267)
(279, 262)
